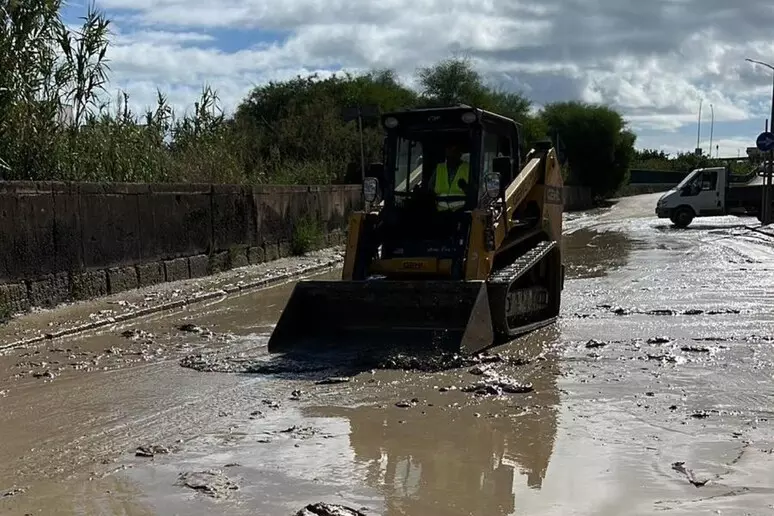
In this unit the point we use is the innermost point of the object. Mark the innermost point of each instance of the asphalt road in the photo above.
(652, 393)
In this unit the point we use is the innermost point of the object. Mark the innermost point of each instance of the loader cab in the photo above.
(418, 140)
(413, 229)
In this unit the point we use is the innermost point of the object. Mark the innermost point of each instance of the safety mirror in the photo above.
(370, 189)
(492, 184)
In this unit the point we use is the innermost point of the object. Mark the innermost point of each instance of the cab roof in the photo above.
(422, 115)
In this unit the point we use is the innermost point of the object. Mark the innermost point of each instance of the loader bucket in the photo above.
(446, 316)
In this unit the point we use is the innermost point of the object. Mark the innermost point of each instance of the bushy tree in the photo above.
(299, 126)
(599, 147)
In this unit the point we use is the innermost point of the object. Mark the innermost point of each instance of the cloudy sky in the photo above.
(654, 60)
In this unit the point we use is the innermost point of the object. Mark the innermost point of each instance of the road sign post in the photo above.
(765, 144)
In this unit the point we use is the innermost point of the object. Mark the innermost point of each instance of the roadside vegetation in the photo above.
(656, 160)
(289, 132)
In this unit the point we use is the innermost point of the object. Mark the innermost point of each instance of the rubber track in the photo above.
(522, 264)
(499, 284)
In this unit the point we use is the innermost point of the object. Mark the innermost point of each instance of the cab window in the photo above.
(495, 146)
(709, 180)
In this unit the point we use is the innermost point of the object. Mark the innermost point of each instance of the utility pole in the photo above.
(698, 130)
(767, 178)
(712, 127)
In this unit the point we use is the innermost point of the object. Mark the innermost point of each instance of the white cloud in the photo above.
(651, 60)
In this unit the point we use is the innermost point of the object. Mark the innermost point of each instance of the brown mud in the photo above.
(652, 393)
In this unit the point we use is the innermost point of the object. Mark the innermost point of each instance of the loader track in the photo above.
(517, 308)
(521, 265)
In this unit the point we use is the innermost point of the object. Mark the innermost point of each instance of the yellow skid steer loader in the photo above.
(460, 270)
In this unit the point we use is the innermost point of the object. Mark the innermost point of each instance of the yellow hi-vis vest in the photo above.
(445, 188)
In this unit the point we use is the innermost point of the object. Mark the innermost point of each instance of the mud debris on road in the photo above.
(212, 483)
(334, 380)
(653, 359)
(152, 450)
(327, 509)
(13, 492)
(665, 312)
(690, 475)
(304, 432)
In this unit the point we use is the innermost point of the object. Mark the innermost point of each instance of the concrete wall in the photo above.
(648, 176)
(644, 188)
(75, 241)
(64, 241)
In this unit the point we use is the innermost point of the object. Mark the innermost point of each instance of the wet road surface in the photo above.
(652, 394)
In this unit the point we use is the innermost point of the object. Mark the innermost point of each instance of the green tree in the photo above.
(282, 132)
(599, 148)
(452, 81)
(299, 129)
(455, 81)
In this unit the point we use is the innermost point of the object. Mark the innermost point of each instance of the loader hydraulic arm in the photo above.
(519, 189)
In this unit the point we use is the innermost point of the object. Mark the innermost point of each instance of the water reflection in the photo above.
(468, 459)
(591, 254)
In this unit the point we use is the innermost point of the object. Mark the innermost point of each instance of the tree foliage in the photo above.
(652, 159)
(281, 132)
(599, 147)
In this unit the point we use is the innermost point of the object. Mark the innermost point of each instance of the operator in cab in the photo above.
(450, 179)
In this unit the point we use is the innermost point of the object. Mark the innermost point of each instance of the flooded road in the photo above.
(652, 393)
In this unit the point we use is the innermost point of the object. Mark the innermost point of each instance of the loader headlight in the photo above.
(469, 117)
(390, 122)
(370, 188)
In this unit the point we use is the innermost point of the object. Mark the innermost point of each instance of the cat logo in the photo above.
(553, 195)
(413, 266)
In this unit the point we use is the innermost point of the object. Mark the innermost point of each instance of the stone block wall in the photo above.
(73, 241)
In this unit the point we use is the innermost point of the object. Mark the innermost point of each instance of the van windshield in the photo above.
(688, 178)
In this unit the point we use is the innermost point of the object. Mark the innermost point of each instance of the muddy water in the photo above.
(669, 408)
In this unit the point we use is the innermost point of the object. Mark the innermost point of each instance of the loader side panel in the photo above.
(553, 197)
(480, 255)
(351, 256)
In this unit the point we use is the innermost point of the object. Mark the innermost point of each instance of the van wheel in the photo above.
(682, 217)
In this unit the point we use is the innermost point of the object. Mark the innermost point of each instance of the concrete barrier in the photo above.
(67, 241)
(643, 188)
(74, 241)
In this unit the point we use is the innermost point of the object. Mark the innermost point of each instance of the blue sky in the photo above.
(653, 61)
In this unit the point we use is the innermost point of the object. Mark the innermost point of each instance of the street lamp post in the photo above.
(712, 127)
(766, 212)
(698, 128)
